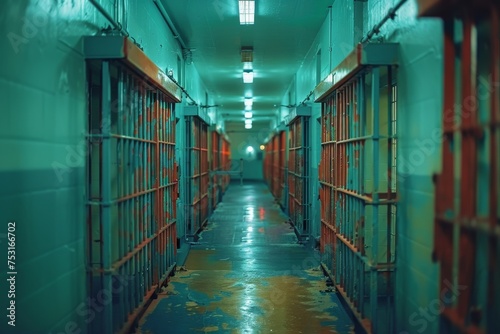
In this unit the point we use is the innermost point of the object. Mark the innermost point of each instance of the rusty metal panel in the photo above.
(132, 191)
(362, 56)
(450, 8)
(122, 48)
(358, 193)
(467, 220)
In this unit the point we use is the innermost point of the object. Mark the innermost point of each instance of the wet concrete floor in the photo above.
(247, 274)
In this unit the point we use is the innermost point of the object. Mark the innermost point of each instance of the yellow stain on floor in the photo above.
(204, 259)
(276, 303)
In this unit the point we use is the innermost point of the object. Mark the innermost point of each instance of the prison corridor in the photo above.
(247, 273)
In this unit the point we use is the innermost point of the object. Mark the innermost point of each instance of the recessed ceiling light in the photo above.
(248, 114)
(248, 101)
(248, 121)
(247, 76)
(248, 126)
(247, 11)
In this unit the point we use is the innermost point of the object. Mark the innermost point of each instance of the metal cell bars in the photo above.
(225, 162)
(198, 177)
(357, 176)
(215, 167)
(283, 168)
(276, 167)
(268, 163)
(298, 175)
(467, 224)
(131, 219)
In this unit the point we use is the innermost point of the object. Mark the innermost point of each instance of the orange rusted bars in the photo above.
(470, 147)
(298, 171)
(275, 165)
(131, 206)
(357, 177)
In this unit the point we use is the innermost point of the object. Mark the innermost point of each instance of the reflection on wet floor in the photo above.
(248, 274)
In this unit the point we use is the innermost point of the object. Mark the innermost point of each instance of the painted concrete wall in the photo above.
(419, 103)
(42, 140)
(241, 139)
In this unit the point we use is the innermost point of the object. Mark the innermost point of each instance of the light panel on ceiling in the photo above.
(247, 76)
(248, 102)
(247, 12)
(248, 114)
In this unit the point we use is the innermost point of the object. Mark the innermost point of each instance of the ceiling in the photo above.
(281, 37)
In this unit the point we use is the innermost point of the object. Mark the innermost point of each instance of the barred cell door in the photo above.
(467, 217)
(131, 181)
(358, 182)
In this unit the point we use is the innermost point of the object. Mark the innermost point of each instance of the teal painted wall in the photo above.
(241, 139)
(42, 140)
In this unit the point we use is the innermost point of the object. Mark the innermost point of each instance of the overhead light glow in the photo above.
(262, 147)
(248, 101)
(249, 149)
(247, 12)
(248, 126)
(248, 114)
(248, 121)
(247, 76)
(248, 108)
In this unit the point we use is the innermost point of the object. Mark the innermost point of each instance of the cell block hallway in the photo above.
(247, 273)
(249, 166)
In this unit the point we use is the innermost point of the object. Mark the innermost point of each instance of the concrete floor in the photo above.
(248, 274)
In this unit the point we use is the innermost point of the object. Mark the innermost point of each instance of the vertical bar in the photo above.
(468, 190)
(376, 149)
(159, 192)
(494, 289)
(445, 187)
(106, 196)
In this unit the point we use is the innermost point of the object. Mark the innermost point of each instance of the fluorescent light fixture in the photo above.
(248, 121)
(248, 126)
(248, 108)
(247, 11)
(248, 101)
(247, 76)
(248, 114)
